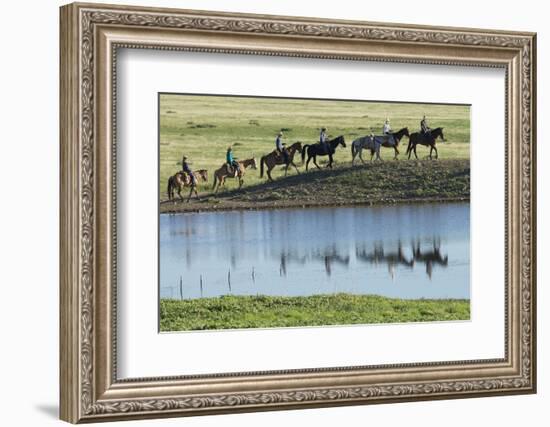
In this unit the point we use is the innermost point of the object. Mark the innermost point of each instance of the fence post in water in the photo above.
(201, 284)
(229, 279)
(181, 287)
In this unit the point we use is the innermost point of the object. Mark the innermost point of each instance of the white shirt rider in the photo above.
(279, 142)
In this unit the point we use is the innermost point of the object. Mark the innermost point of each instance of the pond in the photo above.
(403, 251)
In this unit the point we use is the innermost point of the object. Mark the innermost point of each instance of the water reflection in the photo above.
(401, 251)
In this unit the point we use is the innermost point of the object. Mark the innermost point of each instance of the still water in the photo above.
(408, 251)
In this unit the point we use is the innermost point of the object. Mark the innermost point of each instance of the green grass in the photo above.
(236, 312)
(202, 127)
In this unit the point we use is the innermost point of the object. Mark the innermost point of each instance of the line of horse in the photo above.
(373, 143)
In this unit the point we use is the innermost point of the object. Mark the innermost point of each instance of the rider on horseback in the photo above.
(187, 170)
(231, 162)
(424, 129)
(323, 139)
(281, 149)
(386, 130)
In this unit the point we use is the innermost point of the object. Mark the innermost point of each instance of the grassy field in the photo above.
(232, 312)
(202, 127)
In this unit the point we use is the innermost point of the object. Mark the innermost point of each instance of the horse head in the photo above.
(341, 141)
(297, 146)
(398, 135)
(253, 163)
(439, 133)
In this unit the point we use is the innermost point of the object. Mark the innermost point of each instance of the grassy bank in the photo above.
(232, 312)
(374, 183)
(202, 127)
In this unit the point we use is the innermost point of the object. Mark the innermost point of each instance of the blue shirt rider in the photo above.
(323, 139)
(231, 162)
(187, 170)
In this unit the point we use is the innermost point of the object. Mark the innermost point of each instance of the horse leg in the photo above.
(307, 163)
(179, 193)
(295, 167)
(396, 153)
(315, 162)
(415, 155)
(329, 161)
(436, 155)
(190, 193)
(361, 155)
(241, 181)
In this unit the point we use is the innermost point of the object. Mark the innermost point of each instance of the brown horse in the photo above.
(275, 158)
(427, 139)
(222, 173)
(181, 180)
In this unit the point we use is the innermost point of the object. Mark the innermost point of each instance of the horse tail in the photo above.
(169, 187)
(304, 152)
(262, 160)
(215, 177)
(412, 142)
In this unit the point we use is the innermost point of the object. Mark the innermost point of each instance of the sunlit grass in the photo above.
(202, 127)
(236, 312)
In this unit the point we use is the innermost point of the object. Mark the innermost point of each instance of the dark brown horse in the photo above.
(314, 150)
(275, 158)
(428, 139)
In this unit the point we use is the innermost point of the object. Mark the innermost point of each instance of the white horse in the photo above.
(369, 142)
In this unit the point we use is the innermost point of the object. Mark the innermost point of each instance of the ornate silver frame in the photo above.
(90, 36)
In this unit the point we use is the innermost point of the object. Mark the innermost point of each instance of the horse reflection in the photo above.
(327, 256)
(331, 256)
(379, 256)
(430, 257)
(398, 258)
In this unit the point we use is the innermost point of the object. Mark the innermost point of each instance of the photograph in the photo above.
(290, 212)
(261, 211)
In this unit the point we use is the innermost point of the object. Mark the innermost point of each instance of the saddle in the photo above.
(381, 139)
(427, 136)
(323, 148)
(231, 170)
(187, 179)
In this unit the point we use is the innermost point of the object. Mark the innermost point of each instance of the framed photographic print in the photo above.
(266, 212)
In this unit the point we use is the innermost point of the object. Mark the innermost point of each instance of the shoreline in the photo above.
(258, 206)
